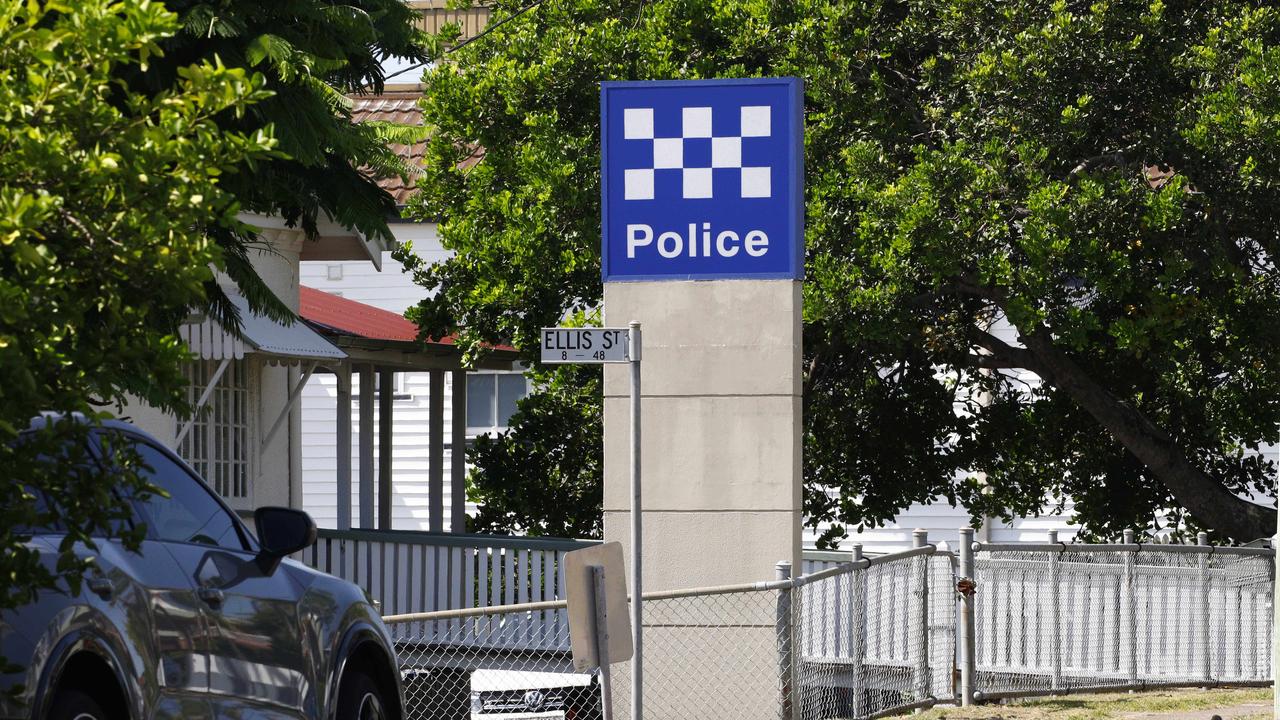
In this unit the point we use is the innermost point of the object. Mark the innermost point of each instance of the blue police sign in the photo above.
(702, 179)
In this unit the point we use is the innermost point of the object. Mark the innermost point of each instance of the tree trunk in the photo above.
(1208, 501)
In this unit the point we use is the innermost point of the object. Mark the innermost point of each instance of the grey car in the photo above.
(206, 621)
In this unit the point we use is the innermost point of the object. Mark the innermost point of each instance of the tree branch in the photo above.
(1203, 496)
(1003, 355)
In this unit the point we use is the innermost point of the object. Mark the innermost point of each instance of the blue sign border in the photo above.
(795, 186)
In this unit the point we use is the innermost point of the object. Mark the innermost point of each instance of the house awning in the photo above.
(259, 334)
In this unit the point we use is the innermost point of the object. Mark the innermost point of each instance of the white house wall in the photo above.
(410, 482)
(392, 290)
(277, 481)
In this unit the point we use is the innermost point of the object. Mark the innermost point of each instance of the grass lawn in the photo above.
(1231, 704)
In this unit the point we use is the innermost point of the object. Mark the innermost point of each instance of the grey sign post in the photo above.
(596, 597)
(614, 345)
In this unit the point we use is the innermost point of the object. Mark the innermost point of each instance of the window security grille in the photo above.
(218, 445)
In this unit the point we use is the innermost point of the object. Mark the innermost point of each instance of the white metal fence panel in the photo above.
(873, 636)
(1063, 618)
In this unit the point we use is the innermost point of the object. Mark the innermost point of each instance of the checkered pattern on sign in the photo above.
(669, 157)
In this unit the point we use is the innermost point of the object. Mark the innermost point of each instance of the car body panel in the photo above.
(255, 653)
(274, 647)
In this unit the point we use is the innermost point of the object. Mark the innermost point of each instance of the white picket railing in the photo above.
(415, 572)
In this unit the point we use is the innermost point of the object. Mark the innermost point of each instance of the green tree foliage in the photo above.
(313, 53)
(542, 477)
(1101, 178)
(134, 136)
(104, 197)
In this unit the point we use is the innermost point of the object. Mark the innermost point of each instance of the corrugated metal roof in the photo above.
(342, 316)
(258, 334)
(338, 316)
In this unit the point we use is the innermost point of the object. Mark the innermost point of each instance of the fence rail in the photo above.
(854, 637)
(1057, 618)
(413, 572)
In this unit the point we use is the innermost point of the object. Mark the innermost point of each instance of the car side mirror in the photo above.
(281, 531)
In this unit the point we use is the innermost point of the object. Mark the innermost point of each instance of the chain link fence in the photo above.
(876, 635)
(871, 637)
(491, 661)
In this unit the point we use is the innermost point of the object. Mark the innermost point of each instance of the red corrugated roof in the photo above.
(348, 317)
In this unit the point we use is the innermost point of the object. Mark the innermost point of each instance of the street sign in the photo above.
(581, 604)
(585, 345)
(702, 179)
(611, 345)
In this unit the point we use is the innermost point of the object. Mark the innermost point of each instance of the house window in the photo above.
(491, 400)
(399, 390)
(218, 444)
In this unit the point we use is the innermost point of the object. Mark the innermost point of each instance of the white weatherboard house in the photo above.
(244, 438)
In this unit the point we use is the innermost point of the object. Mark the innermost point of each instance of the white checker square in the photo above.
(697, 183)
(755, 121)
(668, 153)
(755, 182)
(697, 122)
(637, 123)
(726, 152)
(638, 185)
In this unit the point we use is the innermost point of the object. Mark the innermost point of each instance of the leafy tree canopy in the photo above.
(313, 53)
(134, 136)
(1100, 180)
(543, 476)
(104, 197)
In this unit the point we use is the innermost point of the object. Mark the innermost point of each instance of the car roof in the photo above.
(45, 418)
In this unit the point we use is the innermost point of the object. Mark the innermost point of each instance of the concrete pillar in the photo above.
(721, 458)
(722, 428)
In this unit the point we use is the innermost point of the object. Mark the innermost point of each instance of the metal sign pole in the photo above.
(637, 589)
(605, 345)
(602, 640)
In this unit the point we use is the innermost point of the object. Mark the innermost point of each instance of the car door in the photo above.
(256, 663)
(138, 603)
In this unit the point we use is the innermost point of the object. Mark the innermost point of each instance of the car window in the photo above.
(190, 514)
(40, 503)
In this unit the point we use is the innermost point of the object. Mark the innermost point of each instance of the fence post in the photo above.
(1055, 625)
(786, 638)
(1129, 612)
(1202, 561)
(920, 538)
(968, 652)
(858, 621)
